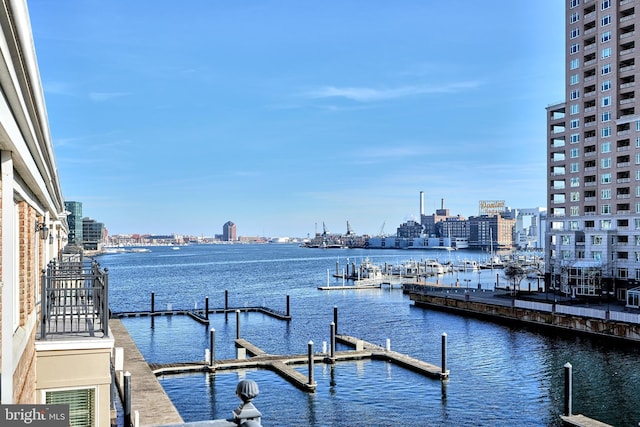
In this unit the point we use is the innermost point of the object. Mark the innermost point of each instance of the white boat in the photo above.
(432, 266)
(467, 265)
(368, 270)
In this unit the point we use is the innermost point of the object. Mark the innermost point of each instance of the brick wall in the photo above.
(24, 378)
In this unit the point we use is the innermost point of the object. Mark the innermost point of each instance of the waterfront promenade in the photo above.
(611, 321)
(147, 395)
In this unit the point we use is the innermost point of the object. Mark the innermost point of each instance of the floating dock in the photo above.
(582, 421)
(354, 287)
(282, 364)
(200, 315)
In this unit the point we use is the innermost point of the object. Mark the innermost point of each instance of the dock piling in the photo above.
(237, 324)
(226, 304)
(127, 399)
(212, 346)
(568, 385)
(333, 341)
(444, 353)
(335, 316)
(206, 308)
(288, 306)
(153, 302)
(388, 344)
(310, 351)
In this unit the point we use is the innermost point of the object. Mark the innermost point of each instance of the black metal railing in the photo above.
(74, 299)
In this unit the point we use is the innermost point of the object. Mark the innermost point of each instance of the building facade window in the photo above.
(81, 403)
(574, 94)
(574, 63)
(605, 194)
(574, 211)
(574, 124)
(605, 69)
(605, 224)
(574, 48)
(573, 3)
(574, 109)
(606, 85)
(575, 79)
(606, 4)
(605, 20)
(575, 32)
(574, 138)
(605, 147)
(606, 36)
(606, 116)
(605, 178)
(575, 17)
(605, 163)
(574, 153)
(574, 167)
(574, 182)
(606, 101)
(605, 53)
(605, 132)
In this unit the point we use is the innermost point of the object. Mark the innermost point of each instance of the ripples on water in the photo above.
(500, 376)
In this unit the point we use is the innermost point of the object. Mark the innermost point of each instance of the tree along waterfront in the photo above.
(500, 374)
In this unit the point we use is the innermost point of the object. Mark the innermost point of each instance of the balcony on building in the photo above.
(74, 300)
(627, 15)
(627, 65)
(623, 145)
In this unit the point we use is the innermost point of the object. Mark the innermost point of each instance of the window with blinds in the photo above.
(81, 405)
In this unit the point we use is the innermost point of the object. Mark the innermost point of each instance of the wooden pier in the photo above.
(380, 353)
(582, 421)
(354, 287)
(200, 315)
(282, 364)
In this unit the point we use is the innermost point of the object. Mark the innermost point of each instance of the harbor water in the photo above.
(500, 375)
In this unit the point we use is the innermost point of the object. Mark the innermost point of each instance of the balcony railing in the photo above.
(74, 300)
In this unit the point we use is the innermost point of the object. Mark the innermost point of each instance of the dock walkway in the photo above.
(282, 364)
(380, 353)
(582, 421)
(147, 395)
(200, 315)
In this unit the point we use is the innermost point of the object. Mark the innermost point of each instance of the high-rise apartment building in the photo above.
(229, 232)
(593, 146)
(74, 218)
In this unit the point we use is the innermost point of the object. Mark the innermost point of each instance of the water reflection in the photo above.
(496, 370)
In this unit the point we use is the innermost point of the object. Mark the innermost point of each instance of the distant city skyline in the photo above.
(281, 116)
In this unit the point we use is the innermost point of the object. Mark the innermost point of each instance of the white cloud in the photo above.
(105, 96)
(364, 94)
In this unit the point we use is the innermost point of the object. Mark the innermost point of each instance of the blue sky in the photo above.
(281, 115)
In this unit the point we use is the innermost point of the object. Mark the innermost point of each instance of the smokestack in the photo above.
(442, 203)
(421, 204)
